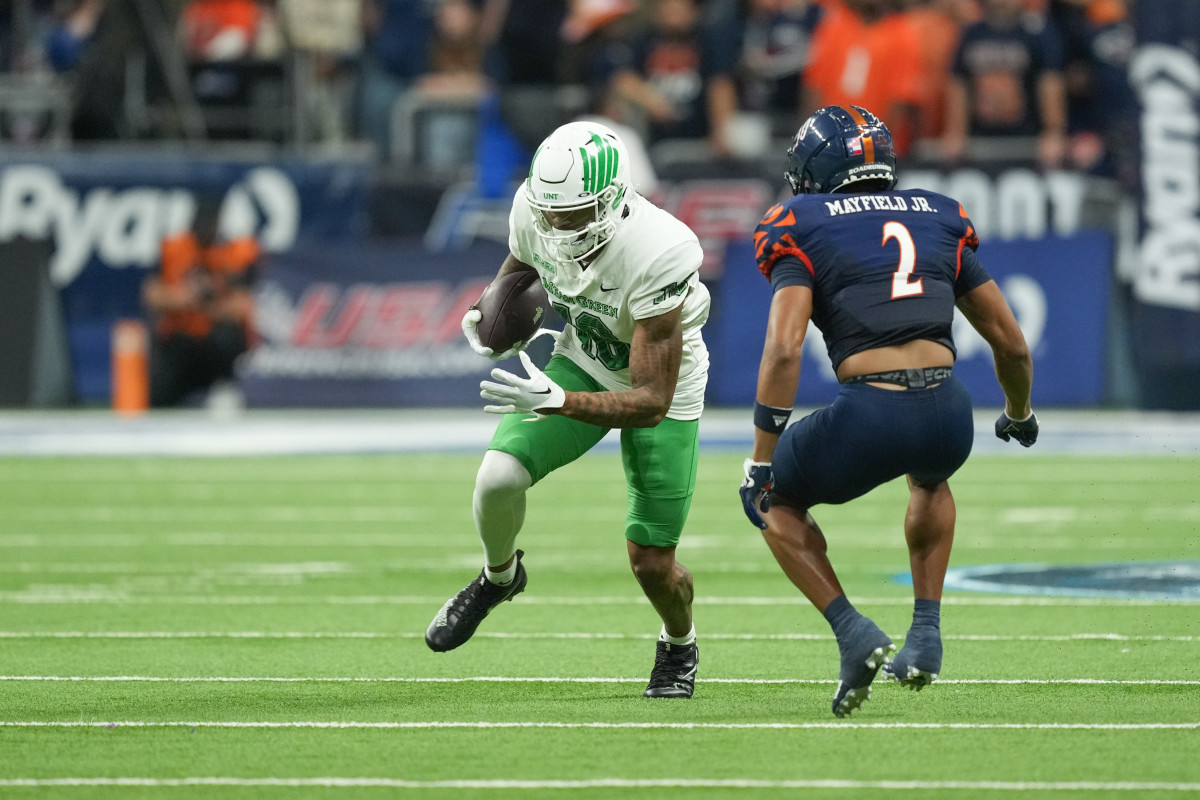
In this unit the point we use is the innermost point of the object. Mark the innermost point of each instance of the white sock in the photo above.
(663, 636)
(502, 577)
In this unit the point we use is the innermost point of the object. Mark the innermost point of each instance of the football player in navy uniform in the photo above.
(880, 273)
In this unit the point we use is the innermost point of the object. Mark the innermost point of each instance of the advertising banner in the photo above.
(1006, 203)
(368, 326)
(1165, 73)
(379, 326)
(1057, 287)
(105, 217)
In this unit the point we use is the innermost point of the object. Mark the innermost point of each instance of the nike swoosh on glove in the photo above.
(520, 395)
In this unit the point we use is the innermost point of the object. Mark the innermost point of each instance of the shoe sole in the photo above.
(853, 699)
(679, 695)
(916, 679)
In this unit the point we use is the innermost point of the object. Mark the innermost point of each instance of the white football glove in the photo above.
(518, 395)
(471, 319)
(469, 322)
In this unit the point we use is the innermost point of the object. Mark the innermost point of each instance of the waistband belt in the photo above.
(912, 378)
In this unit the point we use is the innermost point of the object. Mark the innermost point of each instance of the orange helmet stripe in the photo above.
(867, 142)
(855, 115)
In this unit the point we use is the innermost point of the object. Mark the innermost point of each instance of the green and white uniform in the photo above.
(649, 267)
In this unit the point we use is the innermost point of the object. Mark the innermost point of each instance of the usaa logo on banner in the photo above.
(368, 325)
(125, 227)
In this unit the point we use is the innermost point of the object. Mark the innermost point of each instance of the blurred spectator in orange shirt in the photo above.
(202, 305)
(219, 30)
(865, 53)
(938, 24)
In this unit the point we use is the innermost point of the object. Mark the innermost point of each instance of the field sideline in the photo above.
(238, 621)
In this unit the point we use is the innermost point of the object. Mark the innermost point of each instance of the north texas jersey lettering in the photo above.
(885, 268)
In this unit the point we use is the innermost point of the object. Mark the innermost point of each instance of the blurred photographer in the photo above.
(202, 307)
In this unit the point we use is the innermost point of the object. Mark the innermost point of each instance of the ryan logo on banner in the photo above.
(125, 227)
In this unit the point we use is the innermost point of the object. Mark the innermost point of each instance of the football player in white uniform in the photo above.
(624, 274)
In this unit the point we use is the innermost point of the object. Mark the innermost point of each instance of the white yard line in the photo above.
(545, 679)
(386, 725)
(106, 596)
(612, 783)
(736, 637)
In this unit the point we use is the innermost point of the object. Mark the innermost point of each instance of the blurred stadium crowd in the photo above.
(417, 81)
(371, 148)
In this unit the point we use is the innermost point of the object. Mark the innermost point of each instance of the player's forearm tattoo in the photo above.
(654, 370)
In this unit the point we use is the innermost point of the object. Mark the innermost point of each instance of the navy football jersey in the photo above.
(884, 268)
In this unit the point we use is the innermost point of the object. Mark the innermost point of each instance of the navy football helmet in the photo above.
(841, 148)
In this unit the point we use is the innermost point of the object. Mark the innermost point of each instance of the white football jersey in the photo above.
(649, 267)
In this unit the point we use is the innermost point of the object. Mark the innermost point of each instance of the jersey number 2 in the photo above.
(901, 285)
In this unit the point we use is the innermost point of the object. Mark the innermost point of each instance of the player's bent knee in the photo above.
(926, 484)
(651, 564)
(501, 474)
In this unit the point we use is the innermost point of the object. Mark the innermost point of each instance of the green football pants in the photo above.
(660, 462)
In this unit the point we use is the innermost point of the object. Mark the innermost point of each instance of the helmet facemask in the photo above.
(576, 232)
(575, 188)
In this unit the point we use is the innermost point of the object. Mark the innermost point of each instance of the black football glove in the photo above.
(755, 487)
(1024, 431)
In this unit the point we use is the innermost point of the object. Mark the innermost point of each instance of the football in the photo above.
(513, 307)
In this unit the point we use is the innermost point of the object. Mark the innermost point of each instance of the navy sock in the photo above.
(927, 613)
(841, 615)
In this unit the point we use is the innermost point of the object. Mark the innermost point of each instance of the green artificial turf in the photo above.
(252, 627)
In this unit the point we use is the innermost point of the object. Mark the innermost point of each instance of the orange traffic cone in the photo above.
(130, 367)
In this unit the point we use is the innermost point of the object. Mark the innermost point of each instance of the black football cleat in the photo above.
(457, 620)
(674, 673)
(861, 659)
(920, 660)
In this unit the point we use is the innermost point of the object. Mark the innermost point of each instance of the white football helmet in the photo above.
(576, 185)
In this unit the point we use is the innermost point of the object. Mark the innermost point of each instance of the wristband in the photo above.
(771, 419)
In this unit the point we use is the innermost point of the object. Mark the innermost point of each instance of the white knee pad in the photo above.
(499, 504)
(501, 474)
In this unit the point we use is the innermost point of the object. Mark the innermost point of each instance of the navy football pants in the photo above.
(869, 436)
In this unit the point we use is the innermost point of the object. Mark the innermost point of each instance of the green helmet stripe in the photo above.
(599, 164)
(602, 152)
(589, 173)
